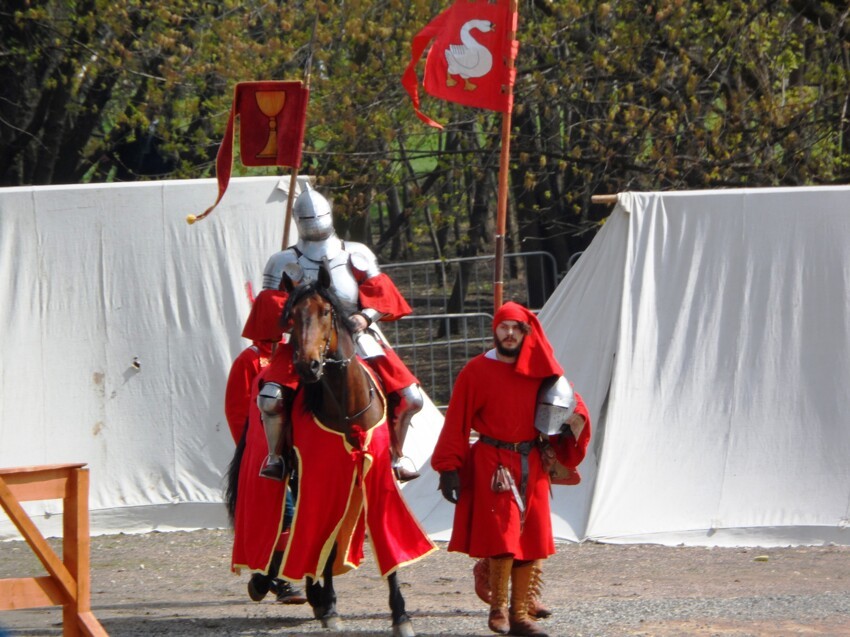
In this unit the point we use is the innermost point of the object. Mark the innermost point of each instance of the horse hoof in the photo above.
(258, 586)
(334, 622)
(404, 629)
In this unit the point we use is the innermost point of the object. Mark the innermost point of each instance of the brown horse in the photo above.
(341, 441)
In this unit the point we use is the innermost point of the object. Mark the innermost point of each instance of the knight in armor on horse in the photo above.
(368, 296)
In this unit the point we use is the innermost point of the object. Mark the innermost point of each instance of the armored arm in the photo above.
(364, 263)
(378, 296)
(363, 260)
(275, 267)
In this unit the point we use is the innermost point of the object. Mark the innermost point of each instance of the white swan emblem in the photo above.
(470, 59)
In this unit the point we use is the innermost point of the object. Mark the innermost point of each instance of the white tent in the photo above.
(709, 333)
(99, 277)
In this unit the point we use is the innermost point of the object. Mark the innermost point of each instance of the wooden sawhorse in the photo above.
(69, 582)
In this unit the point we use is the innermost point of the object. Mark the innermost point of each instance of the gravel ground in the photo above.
(180, 584)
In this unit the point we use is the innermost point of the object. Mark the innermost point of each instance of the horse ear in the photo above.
(325, 274)
(286, 283)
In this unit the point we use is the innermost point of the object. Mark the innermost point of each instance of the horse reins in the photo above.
(344, 363)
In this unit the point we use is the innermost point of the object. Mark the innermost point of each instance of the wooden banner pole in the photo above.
(606, 199)
(290, 197)
(502, 206)
(293, 178)
(502, 212)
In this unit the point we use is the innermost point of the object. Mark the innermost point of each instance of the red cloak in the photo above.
(260, 503)
(344, 494)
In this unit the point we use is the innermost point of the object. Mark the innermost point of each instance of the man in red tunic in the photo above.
(500, 484)
(237, 393)
(257, 514)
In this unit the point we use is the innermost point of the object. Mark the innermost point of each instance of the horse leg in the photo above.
(314, 596)
(331, 618)
(322, 596)
(401, 622)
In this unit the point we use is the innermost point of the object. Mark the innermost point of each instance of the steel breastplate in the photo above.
(343, 282)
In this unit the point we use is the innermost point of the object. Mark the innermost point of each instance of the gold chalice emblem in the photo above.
(271, 104)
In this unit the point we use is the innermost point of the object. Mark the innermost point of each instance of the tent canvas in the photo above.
(99, 277)
(709, 333)
(727, 416)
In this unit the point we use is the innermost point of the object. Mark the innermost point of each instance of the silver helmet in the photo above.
(312, 213)
(555, 403)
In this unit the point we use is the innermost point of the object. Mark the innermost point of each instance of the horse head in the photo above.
(314, 314)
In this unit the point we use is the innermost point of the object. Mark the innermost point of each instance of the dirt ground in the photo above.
(180, 584)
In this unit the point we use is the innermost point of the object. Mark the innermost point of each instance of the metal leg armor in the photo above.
(274, 411)
(408, 402)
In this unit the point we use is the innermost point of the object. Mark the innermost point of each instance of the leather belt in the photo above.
(523, 448)
(520, 447)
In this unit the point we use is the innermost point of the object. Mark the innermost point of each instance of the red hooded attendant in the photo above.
(500, 483)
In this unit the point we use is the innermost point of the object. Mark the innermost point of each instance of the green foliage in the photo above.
(625, 94)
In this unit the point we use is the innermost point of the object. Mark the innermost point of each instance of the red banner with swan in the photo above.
(471, 61)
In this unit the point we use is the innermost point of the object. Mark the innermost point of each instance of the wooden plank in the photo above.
(70, 623)
(70, 530)
(36, 541)
(69, 584)
(42, 468)
(29, 592)
(606, 199)
(90, 626)
(39, 483)
(75, 548)
(29, 490)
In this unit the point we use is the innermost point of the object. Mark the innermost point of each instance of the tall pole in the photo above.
(290, 197)
(502, 206)
(502, 212)
(293, 177)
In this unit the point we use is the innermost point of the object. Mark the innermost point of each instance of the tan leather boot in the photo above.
(536, 608)
(500, 578)
(520, 621)
(535, 593)
(481, 577)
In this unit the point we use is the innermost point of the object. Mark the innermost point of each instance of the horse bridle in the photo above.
(343, 364)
